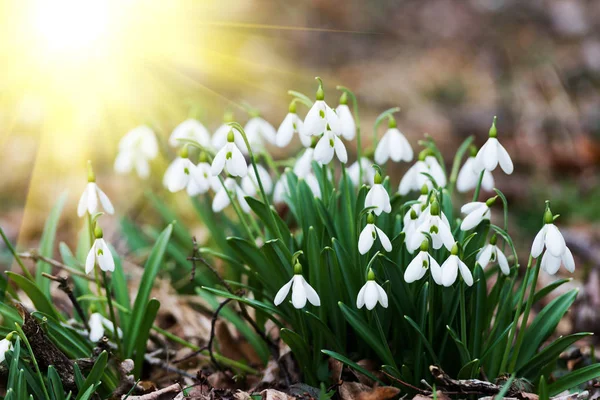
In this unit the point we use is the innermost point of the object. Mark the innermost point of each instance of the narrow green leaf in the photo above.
(574, 379)
(94, 375)
(143, 334)
(301, 352)
(351, 364)
(470, 370)
(41, 302)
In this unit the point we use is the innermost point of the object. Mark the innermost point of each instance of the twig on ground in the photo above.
(174, 388)
(35, 256)
(408, 385)
(63, 284)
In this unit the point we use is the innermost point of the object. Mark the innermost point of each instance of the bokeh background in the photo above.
(77, 75)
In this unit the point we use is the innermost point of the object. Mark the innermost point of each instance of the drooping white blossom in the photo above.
(347, 124)
(5, 345)
(476, 211)
(301, 291)
(468, 178)
(371, 293)
(91, 196)
(136, 149)
(557, 252)
(490, 253)
(258, 129)
(231, 158)
(320, 116)
(436, 226)
(493, 153)
(190, 129)
(222, 198)
(292, 124)
(368, 173)
(414, 179)
(369, 234)
(393, 145)
(327, 146)
(378, 197)
(250, 183)
(98, 324)
(551, 264)
(99, 254)
(202, 180)
(219, 138)
(452, 266)
(419, 265)
(179, 173)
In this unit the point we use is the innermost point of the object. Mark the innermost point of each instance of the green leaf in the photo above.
(351, 364)
(46, 248)
(56, 388)
(120, 290)
(41, 302)
(150, 271)
(543, 389)
(470, 370)
(465, 356)
(143, 334)
(95, 374)
(574, 379)
(301, 352)
(423, 338)
(66, 338)
(263, 211)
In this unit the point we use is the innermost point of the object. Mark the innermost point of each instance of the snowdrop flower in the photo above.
(303, 165)
(136, 149)
(393, 145)
(190, 129)
(436, 226)
(229, 188)
(292, 124)
(491, 252)
(219, 138)
(250, 183)
(410, 224)
(92, 193)
(5, 345)
(229, 157)
(368, 173)
(329, 144)
(468, 177)
(421, 263)
(313, 183)
(301, 290)
(99, 254)
(180, 173)
(557, 251)
(476, 211)
(551, 264)
(96, 327)
(414, 178)
(371, 293)
(321, 116)
(378, 197)
(450, 269)
(368, 235)
(256, 129)
(202, 179)
(347, 124)
(493, 153)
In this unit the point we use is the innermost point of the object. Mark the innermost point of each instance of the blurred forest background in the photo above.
(450, 66)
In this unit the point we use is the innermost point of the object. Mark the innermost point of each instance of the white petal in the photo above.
(450, 271)
(190, 129)
(465, 272)
(550, 264)
(445, 235)
(218, 162)
(371, 295)
(105, 201)
(142, 168)
(504, 159)
(488, 181)
(555, 243)
(124, 162)
(340, 150)
(485, 255)
(436, 270)
(236, 166)
(311, 294)
(474, 218)
(333, 120)
(436, 171)
(348, 126)
(313, 184)
(82, 206)
(360, 299)
(470, 207)
(220, 201)
(490, 161)
(407, 153)
(467, 178)
(105, 259)
(366, 239)
(538, 243)
(96, 327)
(303, 165)
(502, 262)
(385, 241)
(90, 260)
(298, 292)
(324, 150)
(241, 197)
(283, 292)
(568, 260)
(92, 198)
(415, 271)
(382, 152)
(396, 145)
(285, 131)
(314, 123)
(383, 299)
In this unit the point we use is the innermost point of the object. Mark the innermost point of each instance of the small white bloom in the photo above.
(493, 153)
(368, 235)
(319, 117)
(136, 149)
(301, 292)
(190, 129)
(89, 200)
(219, 138)
(436, 171)
(378, 197)
(491, 252)
(347, 124)
(550, 237)
(250, 183)
(96, 327)
(5, 345)
(292, 124)
(100, 254)
(410, 224)
(303, 165)
(414, 179)
(393, 145)
(438, 227)
(256, 129)
(202, 180)
(230, 158)
(371, 293)
(450, 269)
(229, 188)
(419, 265)
(313, 183)
(468, 178)
(368, 173)
(551, 264)
(179, 174)
(476, 211)
(329, 144)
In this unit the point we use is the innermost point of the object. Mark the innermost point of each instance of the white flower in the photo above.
(229, 188)
(491, 252)
(303, 165)
(89, 200)
(313, 183)
(250, 183)
(256, 129)
(292, 124)
(550, 237)
(329, 144)
(438, 227)
(100, 254)
(219, 138)
(368, 173)
(179, 174)
(393, 145)
(202, 180)
(319, 117)
(551, 264)
(410, 223)
(378, 197)
(301, 291)
(371, 293)
(414, 179)
(468, 178)
(476, 211)
(5, 345)
(96, 327)
(417, 268)
(281, 190)
(190, 129)
(450, 269)
(230, 158)
(347, 124)
(493, 153)
(368, 235)
(136, 149)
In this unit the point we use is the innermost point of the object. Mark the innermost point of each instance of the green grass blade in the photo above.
(46, 248)
(351, 364)
(95, 374)
(574, 379)
(143, 334)
(40, 301)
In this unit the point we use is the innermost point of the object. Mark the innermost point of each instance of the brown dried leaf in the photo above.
(272, 394)
(359, 391)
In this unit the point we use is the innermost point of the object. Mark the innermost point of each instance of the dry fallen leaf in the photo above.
(272, 394)
(359, 391)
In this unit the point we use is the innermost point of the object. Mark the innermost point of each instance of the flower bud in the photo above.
(424, 189)
(184, 152)
(413, 214)
(425, 245)
(292, 107)
(454, 250)
(472, 151)
(435, 208)
(377, 179)
(392, 122)
(548, 217)
(370, 218)
(493, 131)
(297, 268)
(344, 98)
(98, 234)
(494, 240)
(90, 170)
(489, 202)
(230, 136)
(371, 275)
(320, 93)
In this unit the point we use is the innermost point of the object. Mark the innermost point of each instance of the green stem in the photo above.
(478, 187)
(16, 256)
(528, 306)
(358, 137)
(431, 308)
(111, 311)
(33, 360)
(463, 314)
(238, 211)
